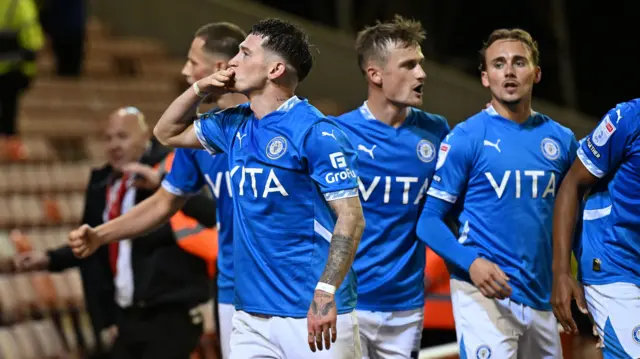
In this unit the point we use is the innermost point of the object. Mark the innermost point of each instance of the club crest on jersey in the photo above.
(636, 334)
(442, 154)
(426, 151)
(276, 147)
(603, 132)
(483, 352)
(550, 148)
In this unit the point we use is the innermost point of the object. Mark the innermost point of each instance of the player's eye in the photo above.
(520, 63)
(498, 65)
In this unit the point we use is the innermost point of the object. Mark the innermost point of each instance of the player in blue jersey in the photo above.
(293, 177)
(397, 146)
(212, 47)
(501, 169)
(609, 245)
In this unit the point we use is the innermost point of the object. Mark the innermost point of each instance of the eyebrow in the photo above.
(244, 48)
(515, 57)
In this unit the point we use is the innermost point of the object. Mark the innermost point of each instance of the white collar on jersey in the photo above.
(492, 111)
(366, 112)
(288, 105)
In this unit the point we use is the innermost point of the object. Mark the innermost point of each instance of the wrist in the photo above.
(102, 233)
(197, 91)
(325, 287)
(561, 267)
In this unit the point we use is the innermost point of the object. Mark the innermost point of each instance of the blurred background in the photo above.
(87, 58)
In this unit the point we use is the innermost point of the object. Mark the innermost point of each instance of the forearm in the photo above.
(564, 223)
(143, 218)
(433, 230)
(344, 243)
(177, 118)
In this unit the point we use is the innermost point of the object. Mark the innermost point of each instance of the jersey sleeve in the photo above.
(215, 129)
(455, 158)
(607, 145)
(331, 160)
(184, 178)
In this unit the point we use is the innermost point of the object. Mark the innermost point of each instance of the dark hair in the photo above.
(373, 41)
(221, 38)
(288, 41)
(510, 34)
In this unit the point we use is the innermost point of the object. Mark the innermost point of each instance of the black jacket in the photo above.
(163, 273)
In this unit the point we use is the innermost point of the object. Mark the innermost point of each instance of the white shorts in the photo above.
(286, 338)
(615, 309)
(393, 335)
(490, 328)
(225, 313)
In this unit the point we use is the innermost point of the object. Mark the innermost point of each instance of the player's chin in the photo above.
(415, 100)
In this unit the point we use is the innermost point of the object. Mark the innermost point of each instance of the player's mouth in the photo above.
(418, 89)
(510, 85)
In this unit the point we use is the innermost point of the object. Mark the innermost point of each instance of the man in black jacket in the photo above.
(148, 287)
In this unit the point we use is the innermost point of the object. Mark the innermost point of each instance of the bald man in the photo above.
(143, 290)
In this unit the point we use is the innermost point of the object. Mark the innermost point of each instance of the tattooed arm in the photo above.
(345, 240)
(322, 316)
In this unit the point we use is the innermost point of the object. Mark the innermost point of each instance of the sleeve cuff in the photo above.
(197, 126)
(590, 165)
(167, 186)
(445, 196)
(345, 193)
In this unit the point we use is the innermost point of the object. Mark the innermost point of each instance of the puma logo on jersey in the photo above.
(240, 137)
(494, 145)
(329, 135)
(369, 151)
(619, 116)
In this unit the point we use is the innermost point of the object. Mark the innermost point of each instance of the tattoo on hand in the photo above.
(319, 304)
(340, 253)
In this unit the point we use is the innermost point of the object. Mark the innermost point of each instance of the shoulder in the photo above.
(473, 127)
(430, 121)
(563, 133)
(238, 110)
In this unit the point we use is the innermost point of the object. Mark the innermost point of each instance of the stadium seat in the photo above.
(8, 347)
(49, 339)
(25, 337)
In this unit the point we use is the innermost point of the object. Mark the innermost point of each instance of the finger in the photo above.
(318, 333)
(334, 333)
(580, 301)
(496, 287)
(499, 277)
(82, 231)
(311, 336)
(483, 291)
(326, 333)
(565, 313)
(487, 291)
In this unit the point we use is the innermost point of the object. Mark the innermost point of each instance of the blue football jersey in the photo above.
(284, 170)
(395, 166)
(506, 176)
(610, 242)
(191, 170)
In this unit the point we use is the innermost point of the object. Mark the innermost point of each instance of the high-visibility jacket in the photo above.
(438, 312)
(20, 36)
(192, 236)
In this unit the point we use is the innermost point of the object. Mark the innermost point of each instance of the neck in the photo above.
(385, 111)
(517, 112)
(229, 100)
(268, 100)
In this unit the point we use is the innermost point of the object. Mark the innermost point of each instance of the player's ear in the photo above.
(374, 74)
(538, 75)
(484, 76)
(277, 69)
